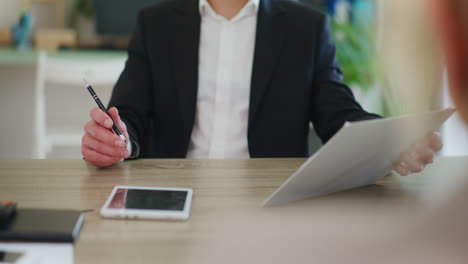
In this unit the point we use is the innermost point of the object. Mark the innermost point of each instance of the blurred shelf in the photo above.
(12, 56)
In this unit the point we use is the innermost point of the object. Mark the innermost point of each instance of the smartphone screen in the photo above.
(148, 199)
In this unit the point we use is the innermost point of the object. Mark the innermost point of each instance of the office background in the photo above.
(361, 33)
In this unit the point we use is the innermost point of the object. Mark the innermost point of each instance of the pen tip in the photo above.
(85, 82)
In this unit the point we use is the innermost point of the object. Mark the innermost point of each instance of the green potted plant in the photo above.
(356, 53)
(84, 8)
(85, 23)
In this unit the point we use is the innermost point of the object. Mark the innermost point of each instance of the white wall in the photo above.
(67, 106)
(10, 10)
(16, 111)
(455, 131)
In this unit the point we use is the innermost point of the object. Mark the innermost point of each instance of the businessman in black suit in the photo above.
(229, 79)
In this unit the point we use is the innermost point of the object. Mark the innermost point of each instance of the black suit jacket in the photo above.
(295, 80)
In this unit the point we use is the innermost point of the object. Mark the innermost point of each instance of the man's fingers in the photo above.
(97, 159)
(118, 121)
(412, 161)
(103, 148)
(114, 113)
(401, 169)
(420, 155)
(435, 141)
(423, 152)
(104, 135)
(426, 155)
(100, 146)
(101, 118)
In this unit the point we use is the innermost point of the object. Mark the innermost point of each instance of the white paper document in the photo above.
(40, 253)
(361, 153)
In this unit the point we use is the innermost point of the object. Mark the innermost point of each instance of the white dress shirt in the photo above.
(224, 74)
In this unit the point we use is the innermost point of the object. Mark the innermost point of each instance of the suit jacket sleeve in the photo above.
(132, 93)
(333, 102)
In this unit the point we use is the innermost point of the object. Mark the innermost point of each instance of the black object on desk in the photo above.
(7, 212)
(43, 226)
(9, 257)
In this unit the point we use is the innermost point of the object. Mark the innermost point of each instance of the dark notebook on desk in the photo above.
(43, 226)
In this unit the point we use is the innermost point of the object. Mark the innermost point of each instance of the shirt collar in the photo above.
(204, 7)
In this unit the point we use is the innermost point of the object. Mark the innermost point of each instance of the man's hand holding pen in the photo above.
(100, 146)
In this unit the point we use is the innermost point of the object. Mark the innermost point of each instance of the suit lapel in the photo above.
(268, 44)
(185, 47)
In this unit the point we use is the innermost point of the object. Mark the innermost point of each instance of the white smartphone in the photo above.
(136, 202)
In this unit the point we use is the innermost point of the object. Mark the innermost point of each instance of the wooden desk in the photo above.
(220, 187)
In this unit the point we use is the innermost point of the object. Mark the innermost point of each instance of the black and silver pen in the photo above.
(115, 129)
